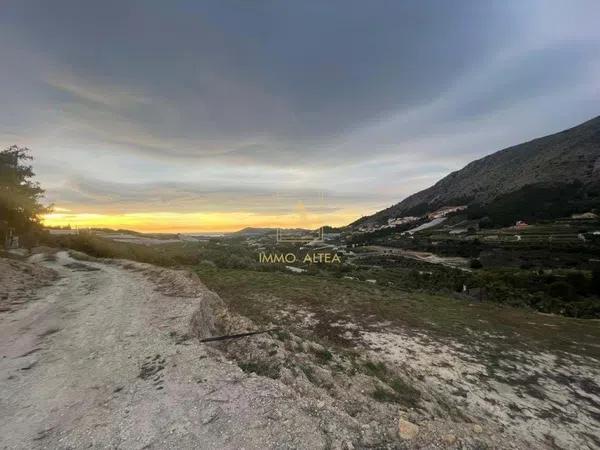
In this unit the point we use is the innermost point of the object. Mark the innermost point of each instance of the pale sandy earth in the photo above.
(450, 261)
(559, 407)
(102, 360)
(106, 356)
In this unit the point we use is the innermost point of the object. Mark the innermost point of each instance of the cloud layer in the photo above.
(217, 106)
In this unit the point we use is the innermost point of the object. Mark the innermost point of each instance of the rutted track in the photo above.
(105, 359)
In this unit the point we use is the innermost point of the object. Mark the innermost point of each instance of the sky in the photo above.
(216, 115)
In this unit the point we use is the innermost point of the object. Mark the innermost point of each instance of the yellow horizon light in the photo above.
(168, 222)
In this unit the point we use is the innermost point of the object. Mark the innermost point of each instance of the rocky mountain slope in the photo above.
(564, 157)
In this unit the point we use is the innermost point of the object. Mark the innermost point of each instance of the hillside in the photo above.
(564, 157)
(251, 231)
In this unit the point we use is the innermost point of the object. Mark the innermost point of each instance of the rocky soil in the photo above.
(19, 282)
(105, 358)
(109, 355)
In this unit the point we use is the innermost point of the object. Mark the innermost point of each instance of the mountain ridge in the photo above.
(563, 157)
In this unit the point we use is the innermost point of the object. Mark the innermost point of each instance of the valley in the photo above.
(376, 363)
(288, 225)
(445, 321)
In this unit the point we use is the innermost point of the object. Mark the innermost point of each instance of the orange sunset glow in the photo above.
(194, 222)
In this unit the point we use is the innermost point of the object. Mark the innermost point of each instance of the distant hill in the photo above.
(544, 165)
(250, 231)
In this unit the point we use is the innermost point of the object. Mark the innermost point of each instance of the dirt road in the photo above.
(456, 262)
(103, 359)
(106, 356)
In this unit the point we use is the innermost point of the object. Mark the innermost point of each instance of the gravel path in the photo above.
(103, 360)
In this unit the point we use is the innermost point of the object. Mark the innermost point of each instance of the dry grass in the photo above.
(262, 296)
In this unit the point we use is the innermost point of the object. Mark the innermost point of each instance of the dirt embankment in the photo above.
(108, 356)
(20, 280)
(351, 400)
(105, 358)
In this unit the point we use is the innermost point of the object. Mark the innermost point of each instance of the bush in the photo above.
(261, 368)
(579, 282)
(486, 222)
(595, 287)
(586, 309)
(562, 290)
(475, 264)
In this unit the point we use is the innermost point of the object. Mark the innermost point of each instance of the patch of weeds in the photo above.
(309, 373)
(493, 363)
(339, 368)
(323, 355)
(179, 338)
(407, 394)
(384, 395)
(480, 445)
(152, 366)
(282, 335)
(450, 409)
(406, 397)
(261, 368)
(376, 369)
(401, 392)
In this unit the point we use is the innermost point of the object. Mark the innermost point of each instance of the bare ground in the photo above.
(19, 281)
(105, 359)
(108, 357)
(469, 375)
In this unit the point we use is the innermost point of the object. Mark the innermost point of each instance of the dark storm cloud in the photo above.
(350, 95)
(292, 71)
(115, 197)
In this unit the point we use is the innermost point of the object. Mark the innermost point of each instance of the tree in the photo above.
(20, 206)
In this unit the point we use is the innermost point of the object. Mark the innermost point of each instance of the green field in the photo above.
(262, 295)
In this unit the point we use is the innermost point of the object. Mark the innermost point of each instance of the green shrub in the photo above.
(475, 264)
(595, 286)
(579, 282)
(562, 290)
(261, 368)
(376, 369)
(323, 355)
